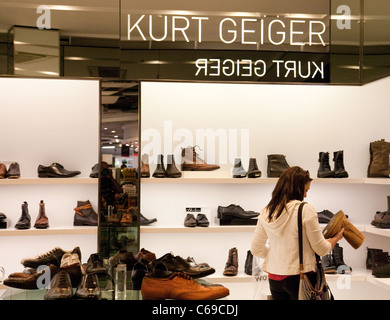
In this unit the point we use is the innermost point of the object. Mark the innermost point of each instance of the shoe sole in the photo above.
(53, 175)
(380, 224)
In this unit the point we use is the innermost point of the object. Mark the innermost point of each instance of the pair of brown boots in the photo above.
(24, 222)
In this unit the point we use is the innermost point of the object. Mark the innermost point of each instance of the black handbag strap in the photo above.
(300, 236)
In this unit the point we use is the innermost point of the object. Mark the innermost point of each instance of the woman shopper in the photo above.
(278, 223)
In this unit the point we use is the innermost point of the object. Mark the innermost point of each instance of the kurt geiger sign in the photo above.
(240, 47)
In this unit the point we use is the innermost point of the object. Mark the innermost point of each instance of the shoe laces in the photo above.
(47, 254)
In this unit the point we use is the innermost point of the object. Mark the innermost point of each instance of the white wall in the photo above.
(45, 121)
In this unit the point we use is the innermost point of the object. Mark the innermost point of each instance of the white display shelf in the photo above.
(74, 230)
(182, 229)
(27, 181)
(224, 177)
(238, 228)
(359, 275)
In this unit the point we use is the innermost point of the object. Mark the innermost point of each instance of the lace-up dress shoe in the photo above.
(178, 264)
(201, 220)
(95, 264)
(180, 287)
(235, 211)
(56, 170)
(53, 256)
(60, 287)
(123, 257)
(89, 287)
(13, 171)
(189, 220)
(192, 162)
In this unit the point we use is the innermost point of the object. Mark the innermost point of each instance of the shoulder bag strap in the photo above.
(300, 236)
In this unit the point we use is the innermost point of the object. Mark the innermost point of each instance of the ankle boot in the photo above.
(145, 171)
(328, 264)
(370, 256)
(379, 159)
(172, 171)
(253, 170)
(192, 162)
(238, 169)
(248, 263)
(338, 259)
(324, 170)
(353, 236)
(42, 221)
(160, 169)
(277, 163)
(3, 170)
(339, 170)
(25, 219)
(231, 266)
(85, 215)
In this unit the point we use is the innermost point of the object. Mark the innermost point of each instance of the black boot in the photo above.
(370, 256)
(160, 169)
(277, 163)
(253, 170)
(339, 260)
(328, 264)
(172, 171)
(324, 170)
(339, 170)
(25, 219)
(238, 169)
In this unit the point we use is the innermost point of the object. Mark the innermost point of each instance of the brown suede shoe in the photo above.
(180, 287)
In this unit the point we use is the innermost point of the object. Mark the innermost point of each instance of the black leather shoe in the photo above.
(123, 257)
(56, 170)
(235, 211)
(89, 287)
(201, 220)
(60, 287)
(145, 221)
(178, 264)
(95, 264)
(94, 171)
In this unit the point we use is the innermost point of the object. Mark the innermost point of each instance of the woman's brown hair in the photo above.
(290, 186)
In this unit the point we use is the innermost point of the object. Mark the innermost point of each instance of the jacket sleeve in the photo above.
(313, 231)
(258, 246)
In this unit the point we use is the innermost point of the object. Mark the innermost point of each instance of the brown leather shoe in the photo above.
(231, 266)
(145, 255)
(13, 171)
(42, 221)
(181, 287)
(3, 170)
(192, 162)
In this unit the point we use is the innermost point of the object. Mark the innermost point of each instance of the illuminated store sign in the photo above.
(227, 30)
(235, 46)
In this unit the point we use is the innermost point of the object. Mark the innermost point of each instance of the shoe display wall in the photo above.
(275, 127)
(66, 155)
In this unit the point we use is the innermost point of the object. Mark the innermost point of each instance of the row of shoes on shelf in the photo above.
(168, 277)
(59, 272)
(84, 215)
(55, 170)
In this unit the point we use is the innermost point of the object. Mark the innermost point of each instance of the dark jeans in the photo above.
(287, 289)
